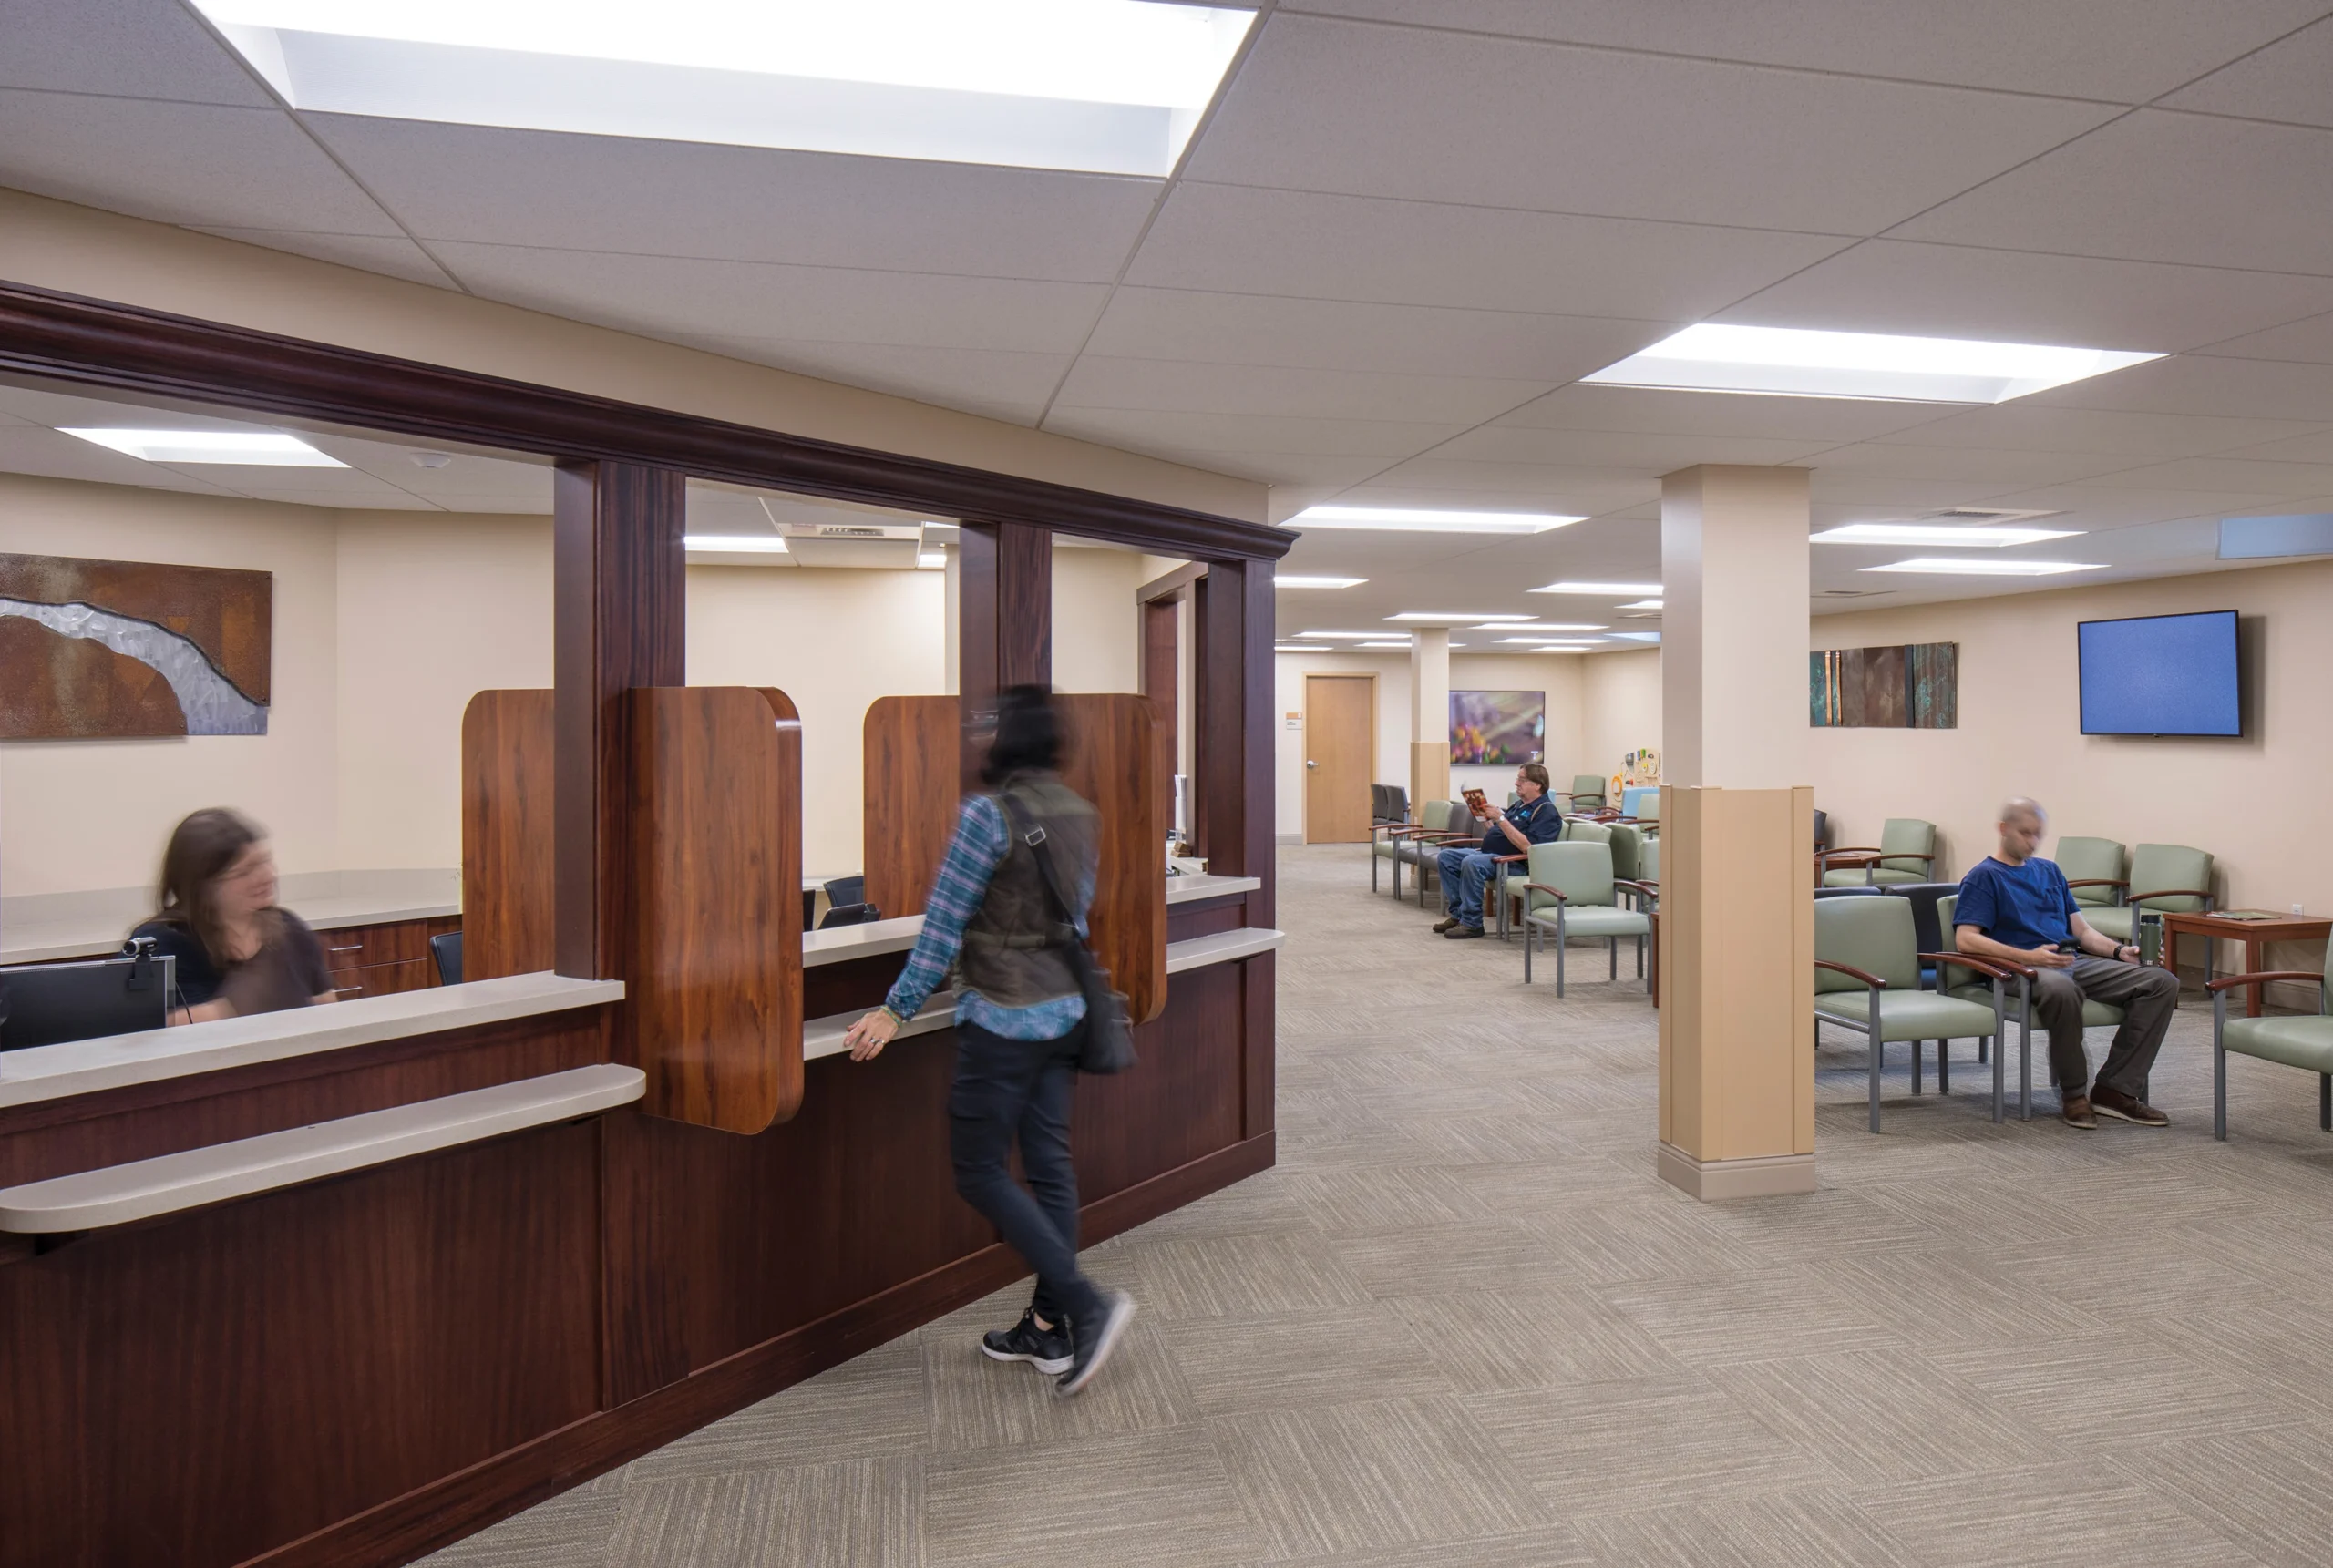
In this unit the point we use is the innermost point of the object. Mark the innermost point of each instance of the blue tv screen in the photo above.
(2161, 675)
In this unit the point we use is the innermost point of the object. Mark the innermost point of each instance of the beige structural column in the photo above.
(1429, 716)
(1737, 910)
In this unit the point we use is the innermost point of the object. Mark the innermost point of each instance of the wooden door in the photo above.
(1339, 748)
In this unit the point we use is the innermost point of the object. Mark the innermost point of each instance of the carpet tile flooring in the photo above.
(1462, 1323)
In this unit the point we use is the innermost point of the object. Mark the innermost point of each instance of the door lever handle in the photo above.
(1311, 763)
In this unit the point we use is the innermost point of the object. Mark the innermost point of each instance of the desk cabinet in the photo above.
(378, 960)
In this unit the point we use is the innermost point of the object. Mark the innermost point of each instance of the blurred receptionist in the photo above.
(216, 914)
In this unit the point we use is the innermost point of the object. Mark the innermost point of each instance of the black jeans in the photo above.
(1009, 1088)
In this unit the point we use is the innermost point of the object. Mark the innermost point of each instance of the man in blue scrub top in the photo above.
(2016, 905)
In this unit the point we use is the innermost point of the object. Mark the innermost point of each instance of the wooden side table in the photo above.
(2178, 923)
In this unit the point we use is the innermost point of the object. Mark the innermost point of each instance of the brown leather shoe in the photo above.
(2109, 1102)
(1445, 925)
(2076, 1112)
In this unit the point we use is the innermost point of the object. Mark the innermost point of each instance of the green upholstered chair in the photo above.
(1513, 872)
(1647, 814)
(2306, 1042)
(1385, 847)
(1906, 853)
(2017, 999)
(2163, 876)
(1586, 793)
(2097, 870)
(1573, 893)
(1627, 842)
(1416, 845)
(1425, 849)
(1867, 978)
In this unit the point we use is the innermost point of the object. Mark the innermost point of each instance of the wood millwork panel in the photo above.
(714, 1008)
(913, 775)
(1162, 675)
(1209, 918)
(1182, 1098)
(196, 1392)
(618, 618)
(391, 942)
(509, 782)
(1115, 756)
(1234, 700)
(1004, 621)
(385, 980)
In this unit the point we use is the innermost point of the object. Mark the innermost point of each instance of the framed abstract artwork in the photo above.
(1905, 686)
(1497, 726)
(97, 649)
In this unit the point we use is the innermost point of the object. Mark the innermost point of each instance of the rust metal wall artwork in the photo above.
(1914, 686)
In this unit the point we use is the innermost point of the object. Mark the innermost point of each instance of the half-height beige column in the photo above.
(1737, 916)
(1429, 715)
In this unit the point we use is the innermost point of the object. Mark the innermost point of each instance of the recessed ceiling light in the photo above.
(1540, 626)
(1298, 648)
(932, 560)
(1422, 520)
(1356, 635)
(1402, 646)
(1318, 581)
(1554, 641)
(1936, 534)
(1798, 363)
(1978, 566)
(1452, 617)
(1113, 87)
(1639, 636)
(1609, 589)
(737, 544)
(248, 448)
(1643, 604)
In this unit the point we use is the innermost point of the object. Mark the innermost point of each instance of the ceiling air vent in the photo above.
(1854, 592)
(892, 544)
(1982, 515)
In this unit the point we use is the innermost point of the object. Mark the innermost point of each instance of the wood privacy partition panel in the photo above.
(713, 1014)
(912, 781)
(510, 925)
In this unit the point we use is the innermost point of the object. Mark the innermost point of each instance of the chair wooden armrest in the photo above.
(2176, 893)
(2262, 977)
(1445, 838)
(1400, 830)
(1866, 976)
(2099, 882)
(1507, 859)
(1651, 888)
(1554, 892)
(2000, 969)
(1852, 856)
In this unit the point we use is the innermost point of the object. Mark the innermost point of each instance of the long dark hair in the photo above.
(201, 849)
(1028, 734)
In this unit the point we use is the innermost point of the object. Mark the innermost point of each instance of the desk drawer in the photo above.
(385, 980)
(359, 946)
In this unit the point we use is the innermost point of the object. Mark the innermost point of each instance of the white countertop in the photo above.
(38, 928)
(84, 1066)
(1205, 885)
(897, 936)
(170, 1183)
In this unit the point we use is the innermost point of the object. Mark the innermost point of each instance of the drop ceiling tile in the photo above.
(1508, 443)
(1976, 469)
(2161, 187)
(2317, 447)
(1826, 420)
(1000, 384)
(2286, 81)
(1318, 473)
(122, 48)
(52, 455)
(397, 257)
(559, 191)
(2200, 384)
(1099, 382)
(1325, 105)
(2024, 426)
(2309, 342)
(1851, 487)
(1303, 245)
(2125, 50)
(377, 498)
(179, 163)
(1145, 429)
(2219, 475)
(664, 296)
(1554, 486)
(1340, 334)
(462, 475)
(2110, 507)
(301, 486)
(1957, 290)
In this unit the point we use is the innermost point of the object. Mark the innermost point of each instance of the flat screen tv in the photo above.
(2161, 675)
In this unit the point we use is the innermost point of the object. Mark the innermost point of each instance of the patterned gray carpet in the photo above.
(1463, 1323)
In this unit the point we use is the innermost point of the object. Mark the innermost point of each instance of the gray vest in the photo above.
(1006, 955)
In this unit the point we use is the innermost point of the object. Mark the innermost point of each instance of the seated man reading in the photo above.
(1532, 819)
(2015, 906)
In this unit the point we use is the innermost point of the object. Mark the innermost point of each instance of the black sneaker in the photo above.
(1460, 931)
(1046, 1350)
(1093, 1349)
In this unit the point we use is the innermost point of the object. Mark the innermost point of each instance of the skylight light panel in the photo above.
(1541, 626)
(1111, 86)
(247, 448)
(1643, 604)
(1978, 566)
(1936, 534)
(1608, 590)
(736, 544)
(1452, 617)
(1795, 362)
(1402, 646)
(1428, 520)
(1318, 581)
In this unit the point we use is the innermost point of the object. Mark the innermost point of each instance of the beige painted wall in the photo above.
(79, 814)
(1619, 708)
(1097, 632)
(2257, 803)
(78, 250)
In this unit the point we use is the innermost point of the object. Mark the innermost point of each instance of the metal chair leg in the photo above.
(2325, 1102)
(1944, 1065)
(1919, 1051)
(1876, 1050)
(2219, 1065)
(1612, 952)
(1561, 943)
(1527, 930)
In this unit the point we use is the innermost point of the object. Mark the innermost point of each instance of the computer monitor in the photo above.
(46, 1004)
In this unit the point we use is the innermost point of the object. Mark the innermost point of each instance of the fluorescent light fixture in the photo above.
(1643, 604)
(735, 544)
(1356, 636)
(1402, 646)
(248, 448)
(1639, 636)
(1554, 641)
(1452, 617)
(1978, 566)
(1793, 361)
(1936, 534)
(1111, 86)
(1609, 589)
(1540, 626)
(1318, 581)
(1422, 520)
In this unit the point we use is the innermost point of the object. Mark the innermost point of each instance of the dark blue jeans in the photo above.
(1007, 1089)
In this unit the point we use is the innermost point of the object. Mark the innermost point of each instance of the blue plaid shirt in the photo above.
(972, 857)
